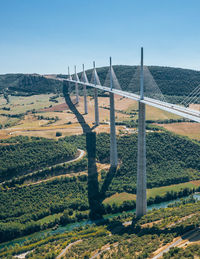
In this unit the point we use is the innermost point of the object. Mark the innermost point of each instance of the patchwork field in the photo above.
(44, 115)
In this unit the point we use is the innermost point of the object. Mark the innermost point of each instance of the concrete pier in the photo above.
(96, 107)
(85, 80)
(77, 94)
(113, 141)
(141, 201)
(85, 99)
(76, 85)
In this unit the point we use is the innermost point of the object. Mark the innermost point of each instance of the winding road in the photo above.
(63, 252)
(183, 239)
(80, 156)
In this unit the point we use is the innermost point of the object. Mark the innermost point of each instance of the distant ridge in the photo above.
(171, 81)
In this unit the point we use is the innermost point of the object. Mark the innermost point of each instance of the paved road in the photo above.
(81, 155)
(186, 236)
(106, 249)
(63, 252)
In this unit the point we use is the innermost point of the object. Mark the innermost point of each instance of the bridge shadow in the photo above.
(95, 196)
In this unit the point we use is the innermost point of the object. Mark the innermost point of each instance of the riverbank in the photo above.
(71, 226)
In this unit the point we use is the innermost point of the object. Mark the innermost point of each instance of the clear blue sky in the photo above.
(45, 36)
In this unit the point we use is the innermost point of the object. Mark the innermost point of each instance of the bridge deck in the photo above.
(172, 108)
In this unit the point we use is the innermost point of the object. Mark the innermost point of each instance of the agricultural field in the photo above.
(191, 130)
(43, 115)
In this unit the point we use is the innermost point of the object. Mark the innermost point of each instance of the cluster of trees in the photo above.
(53, 98)
(21, 158)
(65, 168)
(170, 159)
(21, 208)
(65, 195)
(41, 117)
(137, 239)
(168, 121)
(21, 84)
(18, 115)
(192, 251)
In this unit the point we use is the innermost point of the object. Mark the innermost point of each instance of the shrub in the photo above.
(58, 134)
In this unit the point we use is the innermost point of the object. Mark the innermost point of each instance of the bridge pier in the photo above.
(96, 106)
(141, 199)
(85, 80)
(85, 99)
(76, 85)
(113, 141)
(77, 94)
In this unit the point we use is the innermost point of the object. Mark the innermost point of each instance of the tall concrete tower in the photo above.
(141, 200)
(113, 140)
(96, 106)
(85, 90)
(76, 85)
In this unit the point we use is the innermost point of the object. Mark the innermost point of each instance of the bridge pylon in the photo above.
(76, 85)
(85, 91)
(96, 105)
(141, 200)
(113, 140)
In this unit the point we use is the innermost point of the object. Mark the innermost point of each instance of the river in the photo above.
(69, 227)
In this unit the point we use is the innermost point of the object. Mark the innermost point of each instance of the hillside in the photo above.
(26, 208)
(172, 81)
(27, 84)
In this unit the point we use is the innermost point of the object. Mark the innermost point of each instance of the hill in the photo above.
(171, 81)
(28, 84)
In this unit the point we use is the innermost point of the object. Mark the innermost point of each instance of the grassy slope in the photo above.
(119, 198)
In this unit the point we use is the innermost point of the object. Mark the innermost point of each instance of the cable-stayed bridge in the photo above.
(147, 92)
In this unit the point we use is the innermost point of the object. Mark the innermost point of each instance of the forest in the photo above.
(170, 159)
(137, 240)
(65, 199)
(25, 155)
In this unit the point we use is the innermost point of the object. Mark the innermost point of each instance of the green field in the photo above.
(21, 104)
(161, 191)
(119, 198)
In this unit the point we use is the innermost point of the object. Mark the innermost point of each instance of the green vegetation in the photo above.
(192, 251)
(30, 154)
(22, 84)
(170, 160)
(58, 134)
(161, 191)
(23, 208)
(173, 82)
(155, 195)
(116, 238)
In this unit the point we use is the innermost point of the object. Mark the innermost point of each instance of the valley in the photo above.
(46, 187)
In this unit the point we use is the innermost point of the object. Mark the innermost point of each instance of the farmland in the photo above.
(41, 117)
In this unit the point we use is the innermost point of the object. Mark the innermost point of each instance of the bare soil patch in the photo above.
(189, 129)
